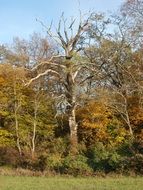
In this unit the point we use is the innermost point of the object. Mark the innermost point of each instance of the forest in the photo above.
(71, 102)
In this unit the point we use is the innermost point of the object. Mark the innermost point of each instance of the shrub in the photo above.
(76, 165)
(133, 164)
(8, 156)
(104, 159)
(54, 163)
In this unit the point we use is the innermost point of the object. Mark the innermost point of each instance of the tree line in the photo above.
(71, 101)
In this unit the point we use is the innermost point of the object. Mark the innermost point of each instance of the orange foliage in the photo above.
(97, 123)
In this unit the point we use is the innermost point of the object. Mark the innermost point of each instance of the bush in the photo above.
(41, 163)
(137, 163)
(8, 156)
(54, 163)
(133, 164)
(76, 165)
(114, 161)
(103, 159)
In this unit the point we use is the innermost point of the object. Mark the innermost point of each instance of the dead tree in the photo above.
(64, 69)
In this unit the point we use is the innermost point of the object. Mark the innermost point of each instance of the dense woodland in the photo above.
(71, 102)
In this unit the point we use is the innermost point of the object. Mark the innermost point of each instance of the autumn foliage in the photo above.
(75, 108)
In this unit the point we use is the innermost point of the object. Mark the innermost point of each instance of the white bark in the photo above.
(16, 108)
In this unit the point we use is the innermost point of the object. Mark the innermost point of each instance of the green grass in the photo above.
(61, 183)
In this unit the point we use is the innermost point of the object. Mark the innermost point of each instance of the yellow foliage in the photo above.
(6, 138)
(97, 123)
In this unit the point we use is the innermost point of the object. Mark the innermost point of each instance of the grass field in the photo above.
(60, 183)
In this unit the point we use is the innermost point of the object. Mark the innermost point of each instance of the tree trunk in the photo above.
(73, 132)
(33, 140)
(16, 108)
(17, 135)
(71, 108)
(34, 130)
(127, 114)
(129, 124)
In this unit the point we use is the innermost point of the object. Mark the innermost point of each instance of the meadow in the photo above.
(68, 183)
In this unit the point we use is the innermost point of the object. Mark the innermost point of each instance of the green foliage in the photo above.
(104, 159)
(77, 165)
(54, 163)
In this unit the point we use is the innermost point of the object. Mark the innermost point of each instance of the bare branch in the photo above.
(87, 78)
(42, 74)
(48, 29)
(49, 62)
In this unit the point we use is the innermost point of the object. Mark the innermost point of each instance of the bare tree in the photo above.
(67, 69)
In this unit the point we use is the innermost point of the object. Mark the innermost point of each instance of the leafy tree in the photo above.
(98, 123)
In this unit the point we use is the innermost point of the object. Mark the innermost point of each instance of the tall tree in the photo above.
(68, 70)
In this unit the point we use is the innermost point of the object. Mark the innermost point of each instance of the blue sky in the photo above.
(18, 17)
